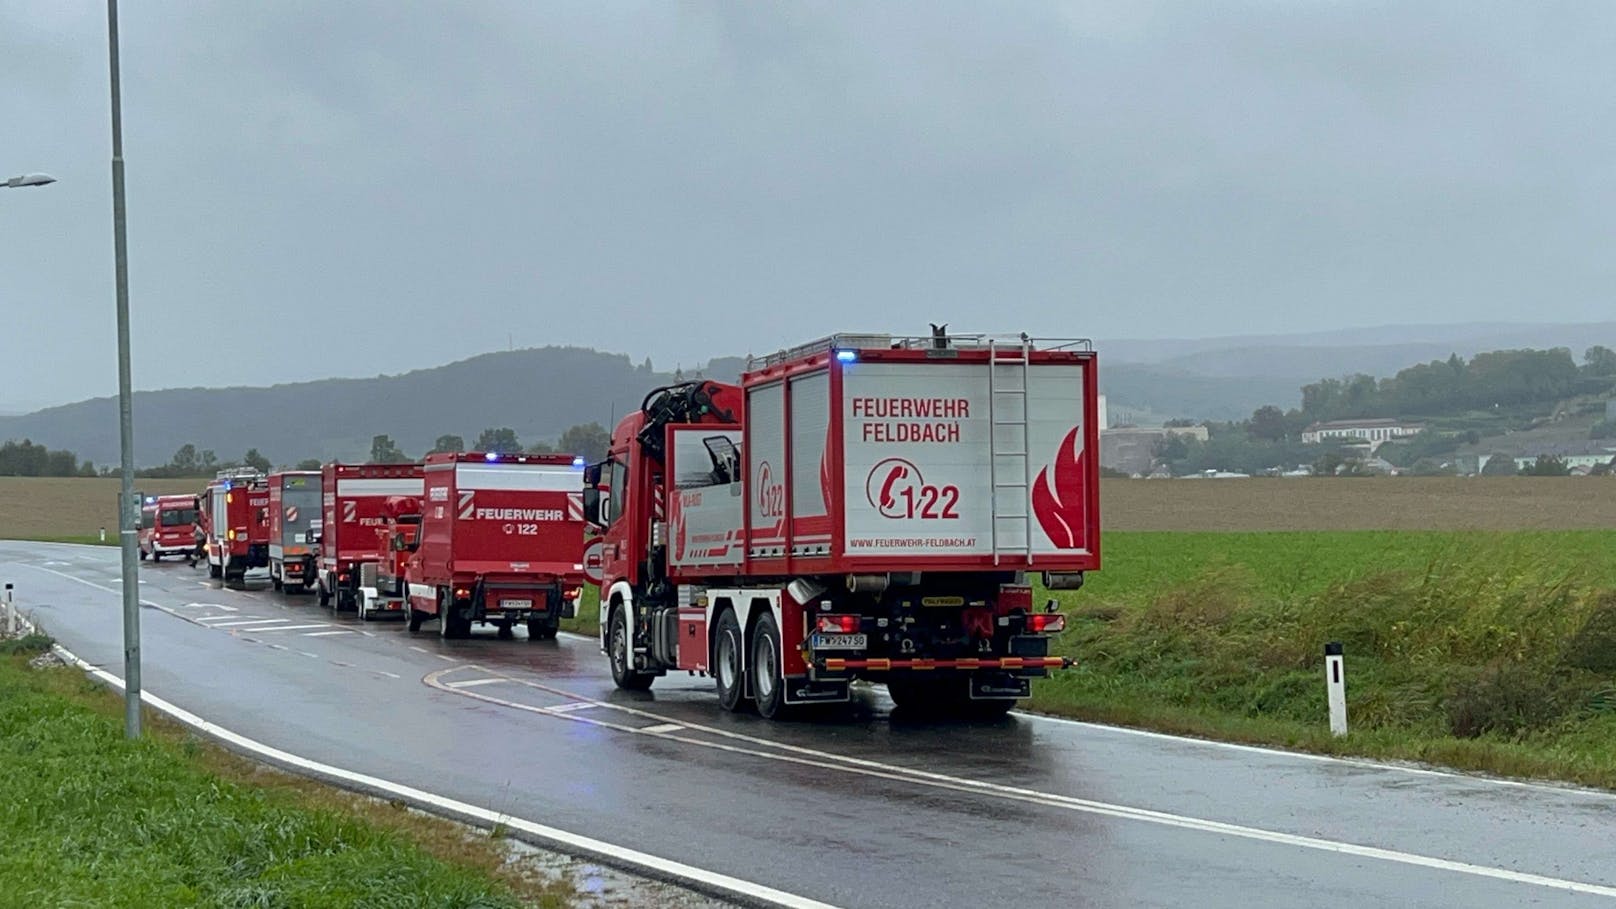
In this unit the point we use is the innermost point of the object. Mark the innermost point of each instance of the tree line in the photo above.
(587, 439)
(1511, 386)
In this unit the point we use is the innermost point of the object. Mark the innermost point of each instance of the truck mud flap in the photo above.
(998, 686)
(803, 690)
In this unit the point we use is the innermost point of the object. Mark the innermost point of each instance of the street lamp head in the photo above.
(29, 180)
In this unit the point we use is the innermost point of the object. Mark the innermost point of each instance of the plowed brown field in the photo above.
(51, 507)
(1369, 503)
(33, 507)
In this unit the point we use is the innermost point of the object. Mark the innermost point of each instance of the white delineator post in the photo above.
(1335, 687)
(11, 613)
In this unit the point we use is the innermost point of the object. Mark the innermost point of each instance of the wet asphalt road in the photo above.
(859, 810)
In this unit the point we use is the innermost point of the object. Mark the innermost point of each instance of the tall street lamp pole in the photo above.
(128, 508)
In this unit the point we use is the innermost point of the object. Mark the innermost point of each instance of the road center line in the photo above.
(291, 627)
(237, 622)
(794, 754)
(321, 634)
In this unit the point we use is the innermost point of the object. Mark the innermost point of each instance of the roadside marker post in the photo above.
(1335, 687)
(11, 614)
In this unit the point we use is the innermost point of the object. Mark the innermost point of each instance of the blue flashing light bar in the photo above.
(491, 456)
(579, 462)
(846, 356)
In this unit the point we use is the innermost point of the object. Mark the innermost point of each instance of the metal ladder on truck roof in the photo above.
(1017, 481)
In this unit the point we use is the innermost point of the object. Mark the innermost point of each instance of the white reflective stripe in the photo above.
(527, 477)
(575, 506)
(466, 505)
(390, 486)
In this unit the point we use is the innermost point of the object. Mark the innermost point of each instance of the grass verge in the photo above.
(1483, 651)
(90, 818)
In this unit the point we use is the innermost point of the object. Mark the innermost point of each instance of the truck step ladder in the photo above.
(1011, 482)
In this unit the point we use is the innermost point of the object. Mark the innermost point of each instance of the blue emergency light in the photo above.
(846, 356)
(579, 462)
(491, 456)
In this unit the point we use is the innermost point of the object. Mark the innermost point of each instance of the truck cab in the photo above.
(237, 502)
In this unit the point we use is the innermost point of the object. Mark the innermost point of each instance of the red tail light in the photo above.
(572, 593)
(1046, 623)
(839, 624)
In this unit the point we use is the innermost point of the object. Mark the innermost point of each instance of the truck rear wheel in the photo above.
(156, 556)
(325, 596)
(450, 623)
(143, 555)
(620, 648)
(542, 628)
(415, 619)
(768, 685)
(214, 571)
(727, 671)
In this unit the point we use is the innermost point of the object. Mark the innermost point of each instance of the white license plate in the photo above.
(516, 604)
(839, 642)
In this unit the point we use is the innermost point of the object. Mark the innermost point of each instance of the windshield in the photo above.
(148, 518)
(178, 517)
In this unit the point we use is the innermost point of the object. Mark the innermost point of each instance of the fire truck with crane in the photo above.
(860, 507)
(353, 531)
(167, 526)
(237, 503)
(383, 584)
(294, 525)
(501, 543)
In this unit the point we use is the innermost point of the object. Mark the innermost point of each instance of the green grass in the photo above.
(588, 619)
(89, 818)
(1484, 651)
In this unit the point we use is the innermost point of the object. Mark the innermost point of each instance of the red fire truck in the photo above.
(238, 523)
(863, 506)
(384, 585)
(167, 526)
(501, 543)
(294, 525)
(353, 532)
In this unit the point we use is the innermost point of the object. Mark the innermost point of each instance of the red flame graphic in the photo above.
(1059, 504)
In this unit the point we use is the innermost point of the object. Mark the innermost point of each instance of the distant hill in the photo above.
(538, 392)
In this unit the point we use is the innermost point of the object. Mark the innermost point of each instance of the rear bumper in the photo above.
(878, 664)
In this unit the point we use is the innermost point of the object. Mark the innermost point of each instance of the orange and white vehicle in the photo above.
(294, 525)
(167, 526)
(501, 543)
(861, 507)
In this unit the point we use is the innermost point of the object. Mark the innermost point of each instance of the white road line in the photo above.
(446, 657)
(473, 683)
(391, 675)
(238, 622)
(419, 649)
(809, 757)
(642, 862)
(291, 627)
(568, 708)
(312, 656)
(661, 728)
(321, 634)
(205, 619)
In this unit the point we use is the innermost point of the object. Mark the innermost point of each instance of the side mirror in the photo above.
(592, 505)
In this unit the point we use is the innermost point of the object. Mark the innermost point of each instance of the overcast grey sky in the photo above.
(350, 188)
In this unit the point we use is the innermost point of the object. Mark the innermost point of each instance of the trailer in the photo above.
(860, 507)
(353, 531)
(167, 526)
(237, 502)
(294, 525)
(501, 543)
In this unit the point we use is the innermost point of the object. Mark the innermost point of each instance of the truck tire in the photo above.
(360, 601)
(943, 697)
(728, 674)
(768, 684)
(325, 595)
(542, 628)
(214, 571)
(156, 556)
(143, 555)
(450, 624)
(275, 579)
(415, 619)
(624, 675)
(505, 632)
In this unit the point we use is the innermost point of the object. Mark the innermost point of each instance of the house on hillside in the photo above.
(1373, 431)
